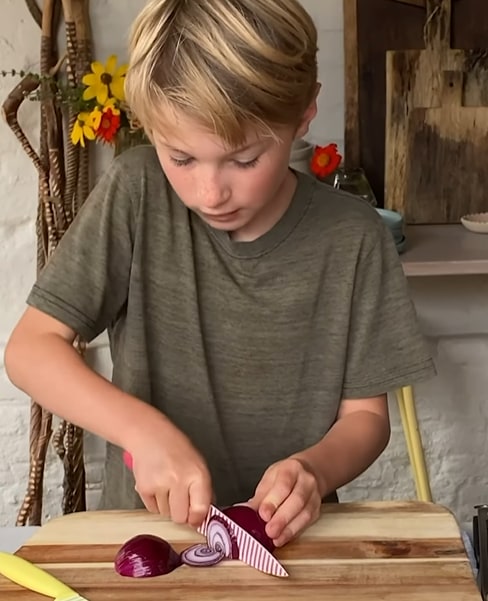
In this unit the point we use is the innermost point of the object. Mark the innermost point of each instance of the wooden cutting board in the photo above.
(447, 149)
(357, 551)
(415, 79)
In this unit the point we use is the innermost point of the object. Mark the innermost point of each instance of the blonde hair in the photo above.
(229, 64)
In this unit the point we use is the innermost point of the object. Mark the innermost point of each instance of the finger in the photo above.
(150, 503)
(307, 516)
(265, 484)
(149, 500)
(283, 485)
(162, 499)
(179, 504)
(292, 507)
(263, 488)
(200, 498)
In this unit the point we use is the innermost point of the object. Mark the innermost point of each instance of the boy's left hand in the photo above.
(288, 498)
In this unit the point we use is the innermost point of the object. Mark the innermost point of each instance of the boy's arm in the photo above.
(355, 441)
(291, 491)
(171, 476)
(40, 360)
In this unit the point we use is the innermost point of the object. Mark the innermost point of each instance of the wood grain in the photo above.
(352, 132)
(370, 551)
(401, 28)
(413, 2)
(432, 171)
(447, 149)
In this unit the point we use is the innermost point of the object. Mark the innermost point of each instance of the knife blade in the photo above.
(251, 551)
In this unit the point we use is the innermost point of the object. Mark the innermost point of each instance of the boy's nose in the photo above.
(214, 197)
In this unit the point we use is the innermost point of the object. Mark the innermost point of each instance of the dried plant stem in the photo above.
(49, 166)
(35, 11)
(10, 110)
(63, 185)
(74, 497)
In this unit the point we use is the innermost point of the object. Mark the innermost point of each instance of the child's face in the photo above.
(243, 191)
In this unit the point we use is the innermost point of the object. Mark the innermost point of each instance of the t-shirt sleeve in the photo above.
(386, 349)
(86, 280)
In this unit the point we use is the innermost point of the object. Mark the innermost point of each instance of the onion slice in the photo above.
(220, 538)
(145, 556)
(201, 555)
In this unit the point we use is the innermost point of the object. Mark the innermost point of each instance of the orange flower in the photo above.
(325, 160)
(108, 126)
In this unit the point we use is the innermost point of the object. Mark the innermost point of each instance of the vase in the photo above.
(353, 181)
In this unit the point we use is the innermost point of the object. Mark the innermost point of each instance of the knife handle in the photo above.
(29, 576)
(127, 459)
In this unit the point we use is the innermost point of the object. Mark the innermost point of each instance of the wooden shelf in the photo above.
(444, 250)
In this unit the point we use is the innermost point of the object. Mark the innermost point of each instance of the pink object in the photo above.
(128, 459)
(250, 550)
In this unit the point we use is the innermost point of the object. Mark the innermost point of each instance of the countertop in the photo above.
(12, 538)
(434, 250)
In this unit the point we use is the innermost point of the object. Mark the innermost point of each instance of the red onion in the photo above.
(201, 555)
(146, 555)
(251, 522)
(220, 538)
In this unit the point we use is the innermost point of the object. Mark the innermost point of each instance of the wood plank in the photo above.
(336, 549)
(352, 132)
(445, 153)
(236, 573)
(399, 29)
(364, 592)
(356, 521)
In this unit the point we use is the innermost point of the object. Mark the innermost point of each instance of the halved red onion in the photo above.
(145, 556)
(250, 520)
(221, 538)
(201, 555)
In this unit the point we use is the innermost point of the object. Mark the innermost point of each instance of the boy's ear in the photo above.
(308, 115)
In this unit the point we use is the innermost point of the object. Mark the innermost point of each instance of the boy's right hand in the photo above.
(172, 478)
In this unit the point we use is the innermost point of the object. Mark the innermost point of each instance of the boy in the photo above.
(256, 317)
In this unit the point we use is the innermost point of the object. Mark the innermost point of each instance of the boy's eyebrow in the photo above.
(237, 150)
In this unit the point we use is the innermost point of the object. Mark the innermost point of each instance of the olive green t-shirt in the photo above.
(248, 347)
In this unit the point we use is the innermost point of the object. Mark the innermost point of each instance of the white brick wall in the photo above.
(453, 312)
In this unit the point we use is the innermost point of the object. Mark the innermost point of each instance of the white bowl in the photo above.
(476, 222)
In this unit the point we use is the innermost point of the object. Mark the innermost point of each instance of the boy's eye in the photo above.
(181, 162)
(240, 164)
(247, 164)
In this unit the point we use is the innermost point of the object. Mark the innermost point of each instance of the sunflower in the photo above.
(105, 81)
(82, 129)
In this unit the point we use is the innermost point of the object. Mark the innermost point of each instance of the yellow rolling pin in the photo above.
(29, 576)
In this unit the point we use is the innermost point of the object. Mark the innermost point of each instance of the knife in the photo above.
(251, 551)
(26, 574)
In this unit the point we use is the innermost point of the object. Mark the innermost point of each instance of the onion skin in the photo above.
(250, 521)
(146, 556)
